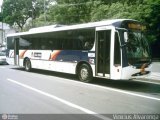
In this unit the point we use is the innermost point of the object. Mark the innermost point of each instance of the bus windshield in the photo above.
(137, 48)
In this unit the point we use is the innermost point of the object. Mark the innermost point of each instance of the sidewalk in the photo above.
(154, 76)
(155, 71)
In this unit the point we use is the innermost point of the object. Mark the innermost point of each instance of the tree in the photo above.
(153, 16)
(71, 11)
(17, 12)
(119, 9)
(79, 11)
(153, 19)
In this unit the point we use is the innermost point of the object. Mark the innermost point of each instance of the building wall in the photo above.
(4, 30)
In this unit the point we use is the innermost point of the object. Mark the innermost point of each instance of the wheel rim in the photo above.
(84, 73)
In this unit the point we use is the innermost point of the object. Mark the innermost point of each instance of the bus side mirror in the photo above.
(125, 37)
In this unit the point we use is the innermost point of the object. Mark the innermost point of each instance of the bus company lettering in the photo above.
(37, 54)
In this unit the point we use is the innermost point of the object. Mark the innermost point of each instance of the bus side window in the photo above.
(117, 52)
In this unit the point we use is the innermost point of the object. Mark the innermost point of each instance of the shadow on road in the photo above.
(128, 85)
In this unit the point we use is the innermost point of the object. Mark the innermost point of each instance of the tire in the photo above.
(85, 73)
(28, 65)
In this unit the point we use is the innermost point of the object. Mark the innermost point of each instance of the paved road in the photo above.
(45, 92)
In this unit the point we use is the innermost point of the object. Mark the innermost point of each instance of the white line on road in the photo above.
(60, 100)
(117, 90)
(129, 93)
(3, 67)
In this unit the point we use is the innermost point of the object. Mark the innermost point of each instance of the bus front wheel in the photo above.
(85, 73)
(27, 65)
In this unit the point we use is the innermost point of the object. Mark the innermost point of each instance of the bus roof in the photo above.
(53, 28)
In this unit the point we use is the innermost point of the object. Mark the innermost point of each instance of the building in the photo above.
(4, 30)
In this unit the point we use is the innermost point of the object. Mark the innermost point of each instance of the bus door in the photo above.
(104, 58)
(16, 51)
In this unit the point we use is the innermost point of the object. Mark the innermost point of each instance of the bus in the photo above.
(113, 49)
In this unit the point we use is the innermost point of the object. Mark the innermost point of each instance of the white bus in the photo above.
(111, 49)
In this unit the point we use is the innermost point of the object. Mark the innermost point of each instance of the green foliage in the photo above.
(153, 17)
(44, 12)
(16, 11)
(118, 10)
(70, 12)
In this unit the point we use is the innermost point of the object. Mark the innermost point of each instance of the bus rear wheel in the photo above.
(28, 65)
(85, 73)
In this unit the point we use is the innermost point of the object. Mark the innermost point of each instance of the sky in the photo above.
(1, 1)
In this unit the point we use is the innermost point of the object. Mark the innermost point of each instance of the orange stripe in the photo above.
(54, 54)
(22, 53)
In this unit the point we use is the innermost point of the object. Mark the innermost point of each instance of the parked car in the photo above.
(3, 58)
